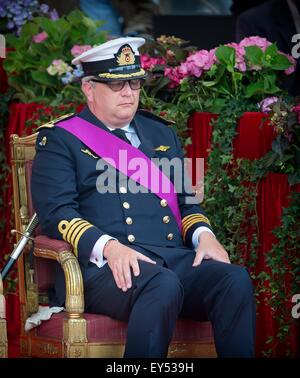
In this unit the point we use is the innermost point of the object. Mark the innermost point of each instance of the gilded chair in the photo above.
(72, 333)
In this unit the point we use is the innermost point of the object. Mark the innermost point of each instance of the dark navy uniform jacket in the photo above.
(69, 207)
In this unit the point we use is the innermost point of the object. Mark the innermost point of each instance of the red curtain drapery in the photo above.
(3, 78)
(18, 115)
(254, 138)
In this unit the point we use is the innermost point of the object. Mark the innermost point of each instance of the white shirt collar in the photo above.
(128, 128)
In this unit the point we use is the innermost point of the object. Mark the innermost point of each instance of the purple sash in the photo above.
(93, 137)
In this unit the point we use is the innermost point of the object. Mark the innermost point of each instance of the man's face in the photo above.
(113, 108)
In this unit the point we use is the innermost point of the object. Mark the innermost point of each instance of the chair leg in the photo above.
(75, 338)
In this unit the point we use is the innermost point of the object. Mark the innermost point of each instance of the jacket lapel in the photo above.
(144, 135)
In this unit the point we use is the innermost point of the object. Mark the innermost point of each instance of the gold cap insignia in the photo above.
(162, 148)
(125, 56)
(43, 141)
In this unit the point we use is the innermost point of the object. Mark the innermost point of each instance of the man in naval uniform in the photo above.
(147, 256)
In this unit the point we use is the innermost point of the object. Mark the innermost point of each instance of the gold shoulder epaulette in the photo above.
(55, 120)
(155, 117)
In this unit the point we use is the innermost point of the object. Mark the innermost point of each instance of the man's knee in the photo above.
(240, 282)
(168, 287)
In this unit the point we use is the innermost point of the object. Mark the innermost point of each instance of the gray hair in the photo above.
(87, 79)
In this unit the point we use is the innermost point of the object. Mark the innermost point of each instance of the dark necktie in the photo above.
(121, 134)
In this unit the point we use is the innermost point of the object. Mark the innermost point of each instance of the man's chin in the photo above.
(126, 115)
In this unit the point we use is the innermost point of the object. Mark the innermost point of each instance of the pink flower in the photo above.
(297, 110)
(263, 43)
(77, 50)
(240, 63)
(194, 65)
(58, 67)
(174, 75)
(291, 69)
(38, 38)
(212, 55)
(170, 56)
(148, 63)
(202, 59)
(189, 69)
(266, 103)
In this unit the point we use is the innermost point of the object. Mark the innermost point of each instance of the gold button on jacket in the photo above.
(129, 220)
(170, 236)
(166, 219)
(164, 203)
(126, 205)
(131, 238)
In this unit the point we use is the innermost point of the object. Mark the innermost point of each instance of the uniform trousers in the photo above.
(215, 291)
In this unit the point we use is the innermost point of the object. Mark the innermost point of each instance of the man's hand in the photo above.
(120, 259)
(210, 248)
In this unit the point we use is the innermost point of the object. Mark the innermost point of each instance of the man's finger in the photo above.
(198, 259)
(135, 267)
(116, 278)
(121, 279)
(140, 256)
(127, 276)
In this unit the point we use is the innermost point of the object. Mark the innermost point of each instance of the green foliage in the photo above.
(171, 111)
(284, 157)
(230, 188)
(27, 62)
(5, 99)
(282, 279)
(260, 77)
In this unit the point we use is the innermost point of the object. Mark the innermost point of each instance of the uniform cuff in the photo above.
(97, 252)
(189, 224)
(196, 234)
(82, 235)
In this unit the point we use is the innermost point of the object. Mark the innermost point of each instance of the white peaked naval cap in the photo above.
(117, 59)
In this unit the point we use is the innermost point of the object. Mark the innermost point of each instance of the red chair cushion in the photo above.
(103, 329)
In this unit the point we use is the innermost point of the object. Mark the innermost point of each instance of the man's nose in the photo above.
(126, 90)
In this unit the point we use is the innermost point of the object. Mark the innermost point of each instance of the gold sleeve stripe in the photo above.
(191, 223)
(77, 231)
(72, 231)
(193, 215)
(184, 231)
(188, 218)
(192, 219)
(72, 228)
(64, 226)
(79, 236)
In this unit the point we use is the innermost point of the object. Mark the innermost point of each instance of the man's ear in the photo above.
(87, 89)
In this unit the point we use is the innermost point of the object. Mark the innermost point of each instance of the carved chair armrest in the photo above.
(61, 251)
